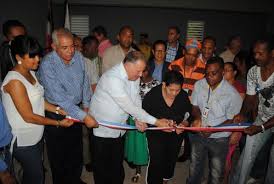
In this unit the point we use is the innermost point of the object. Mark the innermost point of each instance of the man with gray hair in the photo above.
(66, 84)
(115, 98)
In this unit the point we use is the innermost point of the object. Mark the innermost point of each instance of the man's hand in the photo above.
(141, 126)
(66, 123)
(165, 123)
(239, 118)
(206, 134)
(197, 123)
(6, 178)
(235, 138)
(86, 109)
(90, 122)
(253, 129)
(182, 124)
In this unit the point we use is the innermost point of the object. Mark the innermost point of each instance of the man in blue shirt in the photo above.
(215, 102)
(5, 139)
(62, 73)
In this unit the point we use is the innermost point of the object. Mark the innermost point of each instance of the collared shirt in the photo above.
(222, 103)
(227, 56)
(5, 134)
(92, 68)
(202, 59)
(157, 73)
(171, 52)
(114, 99)
(103, 46)
(113, 56)
(190, 77)
(66, 85)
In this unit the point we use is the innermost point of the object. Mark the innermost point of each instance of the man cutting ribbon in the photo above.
(116, 96)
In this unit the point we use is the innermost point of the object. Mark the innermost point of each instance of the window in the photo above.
(195, 29)
(80, 25)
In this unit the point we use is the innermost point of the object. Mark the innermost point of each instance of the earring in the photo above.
(19, 62)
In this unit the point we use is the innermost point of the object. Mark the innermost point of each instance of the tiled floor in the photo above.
(181, 173)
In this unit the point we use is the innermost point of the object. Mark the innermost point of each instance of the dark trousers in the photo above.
(65, 151)
(30, 157)
(163, 150)
(108, 160)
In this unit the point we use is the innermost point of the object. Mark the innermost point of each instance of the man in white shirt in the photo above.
(260, 98)
(115, 98)
(233, 47)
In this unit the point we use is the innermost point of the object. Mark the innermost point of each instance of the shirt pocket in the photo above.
(219, 107)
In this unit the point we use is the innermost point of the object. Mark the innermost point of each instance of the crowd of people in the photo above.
(58, 100)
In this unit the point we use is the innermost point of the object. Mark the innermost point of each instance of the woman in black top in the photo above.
(169, 101)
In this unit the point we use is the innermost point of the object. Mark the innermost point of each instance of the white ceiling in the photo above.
(227, 5)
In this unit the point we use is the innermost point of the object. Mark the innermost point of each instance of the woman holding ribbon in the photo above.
(24, 103)
(169, 101)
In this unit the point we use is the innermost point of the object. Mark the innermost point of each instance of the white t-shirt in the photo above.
(27, 134)
(265, 89)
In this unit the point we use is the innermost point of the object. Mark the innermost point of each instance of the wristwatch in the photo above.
(57, 110)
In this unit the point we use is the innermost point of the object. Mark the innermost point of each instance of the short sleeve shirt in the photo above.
(265, 90)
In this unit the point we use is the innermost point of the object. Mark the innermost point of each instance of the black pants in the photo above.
(108, 160)
(163, 150)
(65, 151)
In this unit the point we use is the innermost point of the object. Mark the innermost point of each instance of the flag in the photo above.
(49, 28)
(67, 17)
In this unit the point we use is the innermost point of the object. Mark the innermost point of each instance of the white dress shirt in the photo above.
(116, 98)
(223, 103)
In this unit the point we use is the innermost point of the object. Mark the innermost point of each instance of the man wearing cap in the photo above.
(192, 68)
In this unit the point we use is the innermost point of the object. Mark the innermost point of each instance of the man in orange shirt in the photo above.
(190, 66)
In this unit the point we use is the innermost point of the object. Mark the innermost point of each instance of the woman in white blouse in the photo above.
(24, 103)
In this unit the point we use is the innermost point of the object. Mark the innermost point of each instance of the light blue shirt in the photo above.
(157, 73)
(5, 134)
(223, 103)
(66, 85)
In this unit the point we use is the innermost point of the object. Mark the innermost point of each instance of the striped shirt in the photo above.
(66, 85)
(190, 77)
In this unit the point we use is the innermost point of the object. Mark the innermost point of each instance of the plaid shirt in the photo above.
(171, 52)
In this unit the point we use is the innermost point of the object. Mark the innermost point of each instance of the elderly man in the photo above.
(215, 102)
(63, 76)
(260, 84)
(115, 54)
(115, 98)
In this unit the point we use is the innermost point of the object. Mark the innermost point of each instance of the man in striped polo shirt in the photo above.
(190, 66)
